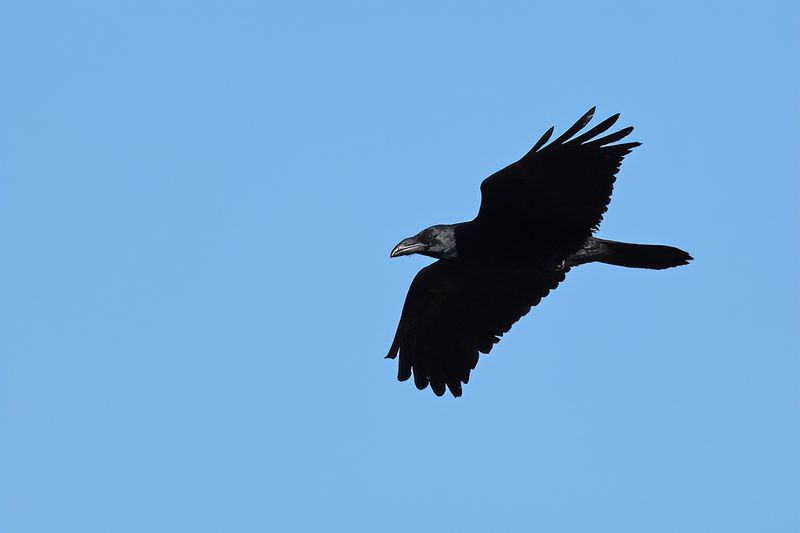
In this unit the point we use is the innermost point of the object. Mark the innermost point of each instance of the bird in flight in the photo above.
(535, 222)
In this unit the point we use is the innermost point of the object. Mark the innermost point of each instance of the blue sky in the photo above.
(198, 201)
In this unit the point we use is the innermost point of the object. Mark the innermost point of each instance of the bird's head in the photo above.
(437, 241)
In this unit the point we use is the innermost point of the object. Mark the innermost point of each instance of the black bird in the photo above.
(535, 222)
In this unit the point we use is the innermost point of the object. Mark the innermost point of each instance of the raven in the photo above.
(535, 222)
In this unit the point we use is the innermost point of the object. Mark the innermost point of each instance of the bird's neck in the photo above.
(446, 242)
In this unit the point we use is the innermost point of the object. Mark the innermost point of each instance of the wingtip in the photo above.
(587, 117)
(543, 139)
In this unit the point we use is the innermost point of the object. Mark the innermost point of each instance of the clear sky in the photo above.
(197, 203)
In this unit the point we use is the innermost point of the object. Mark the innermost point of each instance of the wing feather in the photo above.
(455, 310)
(543, 139)
(595, 131)
(608, 139)
(575, 128)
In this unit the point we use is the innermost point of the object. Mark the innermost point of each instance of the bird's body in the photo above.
(536, 221)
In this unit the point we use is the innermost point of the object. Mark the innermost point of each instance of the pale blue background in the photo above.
(197, 203)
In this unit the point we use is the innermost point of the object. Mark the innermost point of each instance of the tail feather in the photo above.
(654, 256)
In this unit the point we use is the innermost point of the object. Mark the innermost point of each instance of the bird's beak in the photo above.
(407, 247)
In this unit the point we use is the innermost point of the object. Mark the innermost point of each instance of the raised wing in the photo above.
(455, 310)
(555, 196)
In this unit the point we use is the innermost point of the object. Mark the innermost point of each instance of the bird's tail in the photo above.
(641, 255)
